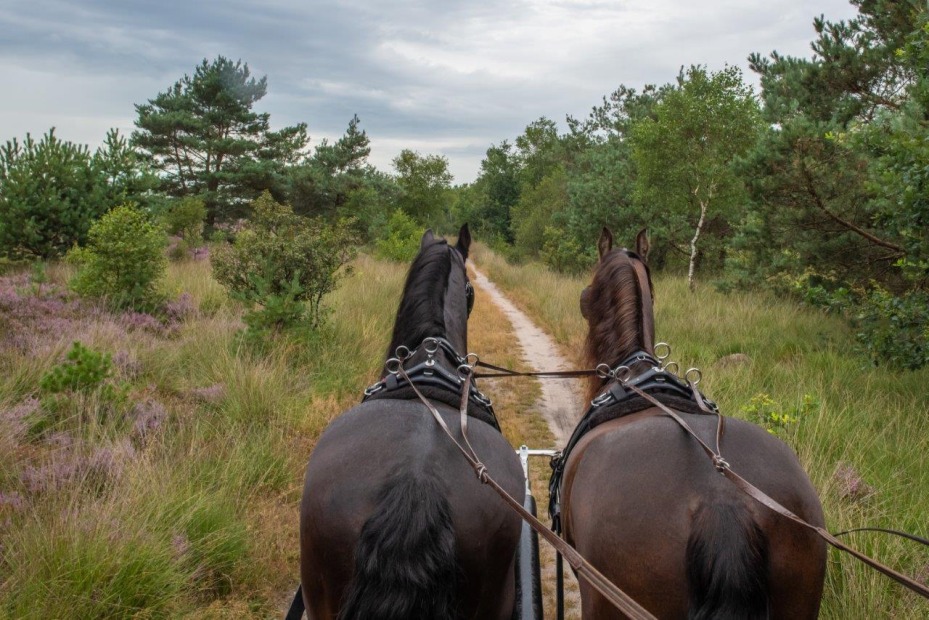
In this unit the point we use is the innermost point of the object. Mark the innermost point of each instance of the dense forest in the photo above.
(816, 186)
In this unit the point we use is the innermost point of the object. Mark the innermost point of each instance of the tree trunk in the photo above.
(693, 247)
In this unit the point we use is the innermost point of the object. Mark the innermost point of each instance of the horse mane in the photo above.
(615, 315)
(422, 307)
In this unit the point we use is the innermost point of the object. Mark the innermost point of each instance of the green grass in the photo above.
(870, 419)
(194, 515)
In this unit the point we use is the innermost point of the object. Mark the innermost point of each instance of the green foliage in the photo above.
(894, 329)
(51, 191)
(184, 218)
(776, 419)
(425, 183)
(534, 210)
(563, 253)
(207, 141)
(283, 263)
(684, 156)
(400, 240)
(83, 370)
(123, 260)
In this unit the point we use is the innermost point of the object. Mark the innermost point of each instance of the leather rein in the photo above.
(622, 376)
(584, 569)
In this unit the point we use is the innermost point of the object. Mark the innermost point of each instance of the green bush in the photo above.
(563, 253)
(123, 260)
(184, 218)
(283, 264)
(400, 240)
(83, 370)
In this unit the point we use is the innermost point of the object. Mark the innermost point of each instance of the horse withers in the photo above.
(643, 503)
(394, 524)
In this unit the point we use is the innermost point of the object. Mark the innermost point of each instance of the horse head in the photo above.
(618, 305)
(437, 297)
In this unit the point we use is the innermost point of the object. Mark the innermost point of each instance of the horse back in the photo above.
(389, 444)
(637, 489)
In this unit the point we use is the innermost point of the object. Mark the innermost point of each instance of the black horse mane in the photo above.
(422, 307)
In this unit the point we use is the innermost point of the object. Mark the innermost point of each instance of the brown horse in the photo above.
(643, 503)
(394, 524)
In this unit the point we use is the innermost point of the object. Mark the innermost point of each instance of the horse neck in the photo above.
(422, 311)
(623, 317)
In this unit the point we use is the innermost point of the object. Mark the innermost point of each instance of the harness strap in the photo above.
(758, 495)
(584, 569)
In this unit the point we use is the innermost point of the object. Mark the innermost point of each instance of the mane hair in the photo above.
(421, 313)
(614, 311)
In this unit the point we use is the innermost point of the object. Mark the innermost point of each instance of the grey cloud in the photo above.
(449, 77)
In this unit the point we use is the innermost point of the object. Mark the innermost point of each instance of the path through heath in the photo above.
(560, 405)
(561, 398)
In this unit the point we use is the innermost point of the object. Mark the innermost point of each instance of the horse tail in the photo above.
(727, 564)
(405, 562)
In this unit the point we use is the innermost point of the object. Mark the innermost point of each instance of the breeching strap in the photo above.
(758, 495)
(584, 569)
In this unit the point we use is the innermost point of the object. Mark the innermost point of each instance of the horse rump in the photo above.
(727, 564)
(405, 561)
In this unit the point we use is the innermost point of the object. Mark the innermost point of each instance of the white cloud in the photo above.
(448, 78)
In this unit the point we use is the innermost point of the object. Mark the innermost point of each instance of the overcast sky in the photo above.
(446, 76)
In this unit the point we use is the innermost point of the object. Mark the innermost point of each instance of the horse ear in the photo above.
(427, 240)
(605, 244)
(641, 245)
(464, 241)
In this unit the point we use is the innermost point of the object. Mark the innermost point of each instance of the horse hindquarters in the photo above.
(727, 563)
(405, 560)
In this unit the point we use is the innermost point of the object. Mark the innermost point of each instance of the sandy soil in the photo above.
(560, 406)
(561, 398)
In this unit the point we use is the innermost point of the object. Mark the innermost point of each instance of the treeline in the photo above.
(818, 188)
(203, 162)
(202, 138)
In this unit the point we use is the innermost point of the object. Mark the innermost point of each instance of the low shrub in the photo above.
(400, 238)
(283, 264)
(123, 260)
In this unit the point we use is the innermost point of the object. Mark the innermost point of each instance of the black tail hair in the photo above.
(727, 564)
(405, 562)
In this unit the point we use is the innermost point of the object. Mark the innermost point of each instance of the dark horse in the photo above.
(394, 523)
(645, 505)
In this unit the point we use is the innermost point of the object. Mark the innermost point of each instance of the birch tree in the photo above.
(684, 153)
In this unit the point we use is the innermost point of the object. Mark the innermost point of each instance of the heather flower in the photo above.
(11, 500)
(149, 416)
(201, 253)
(212, 394)
(851, 485)
(127, 364)
(181, 308)
(141, 321)
(181, 545)
(14, 419)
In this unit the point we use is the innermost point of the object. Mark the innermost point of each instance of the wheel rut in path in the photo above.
(561, 398)
(560, 406)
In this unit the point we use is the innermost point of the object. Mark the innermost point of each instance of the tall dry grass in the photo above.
(173, 492)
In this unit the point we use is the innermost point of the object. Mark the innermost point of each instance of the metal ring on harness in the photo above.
(662, 346)
(431, 345)
(403, 353)
(463, 371)
(393, 365)
(667, 367)
(696, 373)
(604, 371)
(626, 374)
